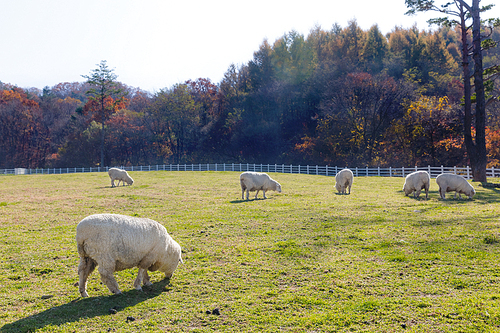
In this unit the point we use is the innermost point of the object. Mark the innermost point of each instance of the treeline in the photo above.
(344, 97)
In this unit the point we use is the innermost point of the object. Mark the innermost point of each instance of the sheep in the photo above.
(120, 175)
(344, 179)
(256, 181)
(415, 182)
(116, 242)
(450, 182)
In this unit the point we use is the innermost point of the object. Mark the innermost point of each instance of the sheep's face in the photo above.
(406, 190)
(471, 193)
(278, 187)
(130, 181)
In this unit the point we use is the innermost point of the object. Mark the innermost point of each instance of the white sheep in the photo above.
(120, 175)
(450, 182)
(256, 181)
(415, 182)
(344, 179)
(116, 242)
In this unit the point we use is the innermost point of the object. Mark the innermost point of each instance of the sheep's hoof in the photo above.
(149, 283)
(84, 294)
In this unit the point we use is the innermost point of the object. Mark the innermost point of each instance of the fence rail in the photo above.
(323, 170)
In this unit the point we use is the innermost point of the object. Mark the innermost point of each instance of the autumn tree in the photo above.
(362, 107)
(174, 120)
(105, 97)
(24, 140)
(459, 13)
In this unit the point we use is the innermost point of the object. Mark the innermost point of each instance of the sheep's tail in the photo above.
(81, 250)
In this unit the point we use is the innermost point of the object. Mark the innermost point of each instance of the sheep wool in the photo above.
(115, 242)
(256, 181)
(415, 182)
(343, 180)
(448, 182)
(120, 175)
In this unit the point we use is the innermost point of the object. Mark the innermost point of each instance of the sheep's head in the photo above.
(130, 181)
(471, 193)
(278, 187)
(406, 189)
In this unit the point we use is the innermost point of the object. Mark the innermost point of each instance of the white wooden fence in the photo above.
(323, 170)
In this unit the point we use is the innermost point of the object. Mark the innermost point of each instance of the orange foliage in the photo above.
(493, 147)
(16, 94)
(103, 109)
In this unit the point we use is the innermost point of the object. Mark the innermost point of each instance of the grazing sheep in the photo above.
(120, 175)
(415, 182)
(449, 182)
(344, 179)
(256, 181)
(116, 242)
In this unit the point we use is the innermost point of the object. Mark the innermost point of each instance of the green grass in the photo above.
(305, 260)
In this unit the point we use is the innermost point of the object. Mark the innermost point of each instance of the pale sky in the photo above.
(154, 44)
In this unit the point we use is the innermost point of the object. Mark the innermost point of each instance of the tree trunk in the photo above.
(476, 149)
(469, 143)
(479, 165)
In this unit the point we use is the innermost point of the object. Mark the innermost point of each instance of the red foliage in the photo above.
(102, 110)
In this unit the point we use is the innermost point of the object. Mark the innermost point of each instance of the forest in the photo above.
(343, 96)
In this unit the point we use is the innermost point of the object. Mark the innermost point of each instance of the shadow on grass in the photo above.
(86, 308)
(491, 195)
(250, 200)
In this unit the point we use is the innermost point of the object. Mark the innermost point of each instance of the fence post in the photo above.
(378, 171)
(390, 172)
(326, 168)
(468, 177)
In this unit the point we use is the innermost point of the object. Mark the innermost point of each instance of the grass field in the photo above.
(305, 260)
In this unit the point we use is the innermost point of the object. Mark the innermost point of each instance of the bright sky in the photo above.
(154, 44)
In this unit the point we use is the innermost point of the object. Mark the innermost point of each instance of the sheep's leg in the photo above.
(108, 279)
(248, 193)
(349, 188)
(142, 276)
(256, 194)
(242, 194)
(85, 268)
(112, 182)
(264, 194)
(145, 278)
(417, 193)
